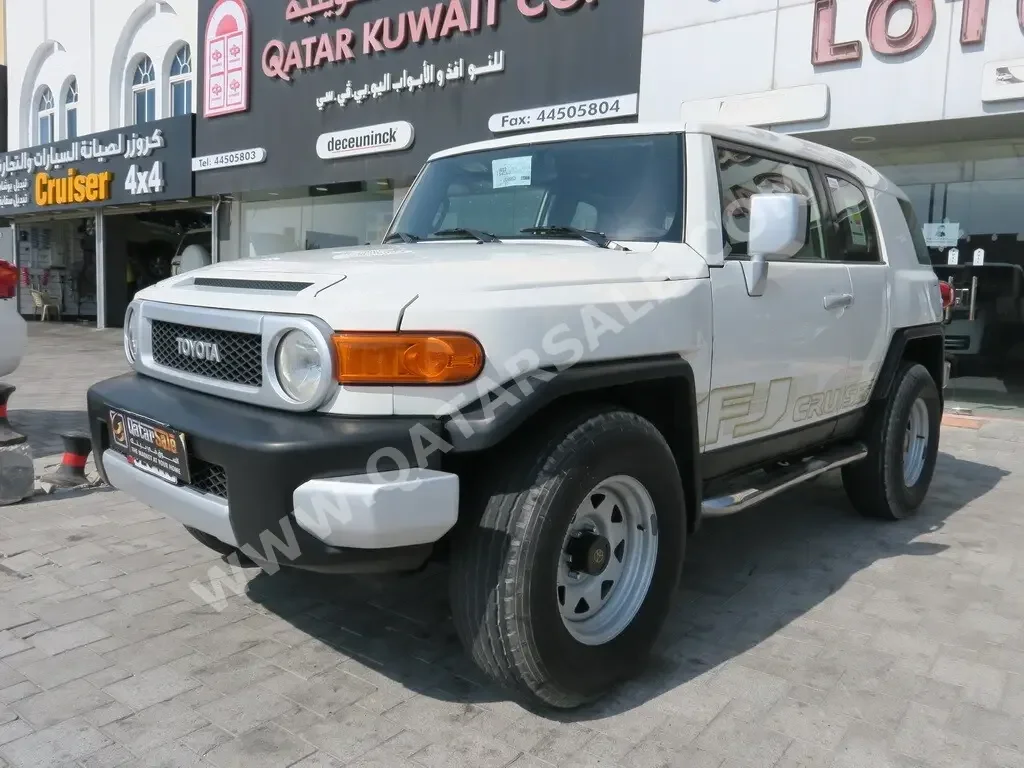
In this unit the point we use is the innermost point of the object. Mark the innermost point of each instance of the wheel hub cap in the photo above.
(915, 443)
(588, 553)
(607, 560)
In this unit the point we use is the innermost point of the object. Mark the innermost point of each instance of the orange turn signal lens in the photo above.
(407, 358)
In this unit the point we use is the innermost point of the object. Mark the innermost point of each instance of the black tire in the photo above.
(876, 485)
(504, 569)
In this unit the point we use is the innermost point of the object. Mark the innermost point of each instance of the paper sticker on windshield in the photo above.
(512, 172)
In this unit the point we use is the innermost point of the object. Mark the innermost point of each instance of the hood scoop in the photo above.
(286, 286)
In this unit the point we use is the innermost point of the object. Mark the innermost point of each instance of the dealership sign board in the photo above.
(143, 163)
(883, 41)
(308, 80)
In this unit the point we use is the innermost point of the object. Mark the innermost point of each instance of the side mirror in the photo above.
(778, 230)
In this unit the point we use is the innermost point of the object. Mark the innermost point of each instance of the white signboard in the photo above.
(944, 234)
(953, 257)
(572, 113)
(229, 159)
(979, 257)
(1003, 80)
(369, 140)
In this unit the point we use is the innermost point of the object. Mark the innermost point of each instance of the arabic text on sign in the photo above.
(48, 158)
(430, 75)
(439, 21)
(305, 9)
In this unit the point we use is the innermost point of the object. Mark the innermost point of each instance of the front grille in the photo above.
(958, 343)
(208, 478)
(240, 354)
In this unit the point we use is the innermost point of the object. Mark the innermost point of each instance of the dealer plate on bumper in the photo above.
(150, 446)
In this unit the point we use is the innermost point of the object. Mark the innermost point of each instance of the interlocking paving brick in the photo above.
(802, 637)
(150, 687)
(52, 671)
(55, 747)
(68, 637)
(265, 747)
(58, 704)
(243, 710)
(109, 757)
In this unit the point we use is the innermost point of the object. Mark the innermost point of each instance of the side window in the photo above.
(742, 174)
(855, 224)
(916, 233)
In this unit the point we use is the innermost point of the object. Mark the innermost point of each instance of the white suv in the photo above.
(569, 348)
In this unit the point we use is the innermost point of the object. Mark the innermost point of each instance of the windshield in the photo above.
(626, 188)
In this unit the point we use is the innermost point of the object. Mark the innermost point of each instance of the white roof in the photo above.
(752, 137)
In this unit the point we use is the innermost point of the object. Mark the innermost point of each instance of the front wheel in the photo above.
(559, 591)
(903, 446)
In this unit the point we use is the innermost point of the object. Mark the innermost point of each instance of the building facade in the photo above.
(314, 116)
(96, 182)
(929, 91)
(78, 67)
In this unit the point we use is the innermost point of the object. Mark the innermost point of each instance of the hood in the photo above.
(381, 280)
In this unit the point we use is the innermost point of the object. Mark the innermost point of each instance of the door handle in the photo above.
(837, 300)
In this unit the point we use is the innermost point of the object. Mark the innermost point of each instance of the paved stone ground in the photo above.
(803, 636)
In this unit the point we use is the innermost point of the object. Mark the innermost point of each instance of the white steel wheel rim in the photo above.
(616, 523)
(915, 443)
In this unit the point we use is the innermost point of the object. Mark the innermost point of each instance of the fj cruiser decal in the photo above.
(744, 410)
(821, 404)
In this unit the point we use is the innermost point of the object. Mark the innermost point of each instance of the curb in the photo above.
(962, 422)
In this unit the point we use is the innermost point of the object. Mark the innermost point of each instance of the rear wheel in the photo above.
(903, 445)
(560, 589)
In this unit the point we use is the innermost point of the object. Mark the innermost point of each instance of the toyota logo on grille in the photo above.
(198, 350)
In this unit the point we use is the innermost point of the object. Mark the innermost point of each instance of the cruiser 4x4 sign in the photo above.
(137, 164)
(444, 68)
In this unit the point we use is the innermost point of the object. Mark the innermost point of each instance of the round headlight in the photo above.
(299, 365)
(131, 336)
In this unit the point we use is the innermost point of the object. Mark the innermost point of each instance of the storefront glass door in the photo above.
(971, 204)
(57, 265)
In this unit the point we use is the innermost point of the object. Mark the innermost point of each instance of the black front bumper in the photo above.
(256, 458)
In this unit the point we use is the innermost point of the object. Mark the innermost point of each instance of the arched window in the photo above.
(71, 110)
(144, 91)
(45, 110)
(181, 82)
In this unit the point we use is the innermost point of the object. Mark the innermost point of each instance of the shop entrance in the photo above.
(143, 247)
(56, 261)
(968, 198)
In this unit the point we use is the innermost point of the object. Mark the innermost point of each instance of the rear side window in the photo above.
(916, 232)
(855, 224)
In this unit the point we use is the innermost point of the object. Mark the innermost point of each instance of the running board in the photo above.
(805, 470)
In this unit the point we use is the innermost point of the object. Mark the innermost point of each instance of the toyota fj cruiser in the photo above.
(569, 348)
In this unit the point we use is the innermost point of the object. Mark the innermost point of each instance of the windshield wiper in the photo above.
(405, 237)
(594, 238)
(476, 234)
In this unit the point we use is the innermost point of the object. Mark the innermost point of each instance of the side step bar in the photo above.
(805, 470)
